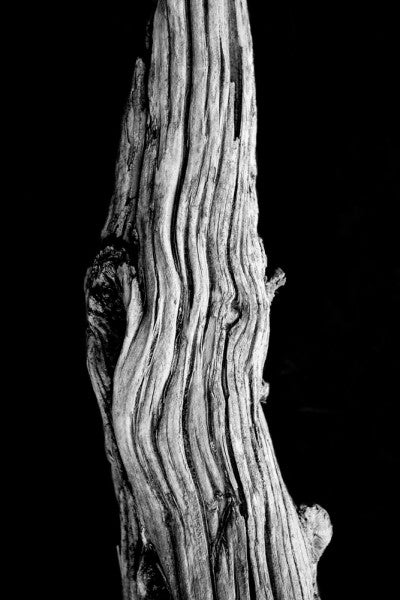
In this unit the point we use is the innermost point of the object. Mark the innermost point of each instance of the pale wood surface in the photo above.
(178, 326)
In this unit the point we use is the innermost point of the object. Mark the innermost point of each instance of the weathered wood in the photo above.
(178, 326)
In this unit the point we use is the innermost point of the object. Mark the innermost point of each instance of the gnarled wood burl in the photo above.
(178, 325)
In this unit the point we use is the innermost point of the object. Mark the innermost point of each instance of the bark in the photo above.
(178, 325)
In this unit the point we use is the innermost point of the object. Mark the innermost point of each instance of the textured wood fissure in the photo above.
(178, 327)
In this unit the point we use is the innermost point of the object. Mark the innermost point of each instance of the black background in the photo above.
(328, 160)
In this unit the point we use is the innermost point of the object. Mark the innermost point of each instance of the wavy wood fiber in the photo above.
(178, 325)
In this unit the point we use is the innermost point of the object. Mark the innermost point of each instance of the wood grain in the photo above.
(178, 311)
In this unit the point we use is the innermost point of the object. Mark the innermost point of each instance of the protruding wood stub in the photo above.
(317, 527)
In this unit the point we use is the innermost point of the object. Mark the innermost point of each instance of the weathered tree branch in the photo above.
(178, 326)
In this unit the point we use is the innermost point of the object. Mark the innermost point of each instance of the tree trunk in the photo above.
(178, 325)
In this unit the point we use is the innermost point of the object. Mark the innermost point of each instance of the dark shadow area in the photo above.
(328, 184)
(328, 156)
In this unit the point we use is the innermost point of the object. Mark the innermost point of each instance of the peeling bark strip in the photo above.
(178, 326)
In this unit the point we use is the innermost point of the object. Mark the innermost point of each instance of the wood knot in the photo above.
(318, 528)
(214, 504)
(233, 314)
